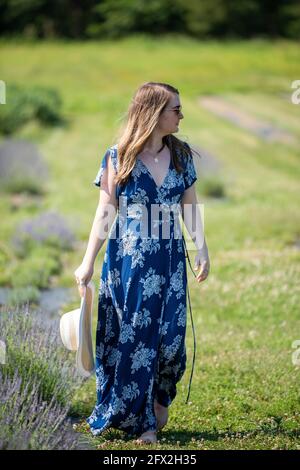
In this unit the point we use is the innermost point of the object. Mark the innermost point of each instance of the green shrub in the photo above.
(213, 187)
(37, 268)
(22, 295)
(5, 259)
(25, 104)
(21, 185)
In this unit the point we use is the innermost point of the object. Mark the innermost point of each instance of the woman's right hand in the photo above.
(83, 274)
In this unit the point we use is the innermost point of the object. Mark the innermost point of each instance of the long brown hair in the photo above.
(141, 118)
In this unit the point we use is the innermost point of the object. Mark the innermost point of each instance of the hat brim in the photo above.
(69, 329)
(84, 356)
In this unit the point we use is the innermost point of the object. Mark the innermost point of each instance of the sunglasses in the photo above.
(176, 110)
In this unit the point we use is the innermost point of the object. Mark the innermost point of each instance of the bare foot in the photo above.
(148, 437)
(161, 413)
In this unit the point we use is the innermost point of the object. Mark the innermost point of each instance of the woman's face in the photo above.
(171, 115)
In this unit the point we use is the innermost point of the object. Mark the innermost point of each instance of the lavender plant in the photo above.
(34, 347)
(27, 422)
(37, 382)
(48, 228)
(21, 295)
(22, 167)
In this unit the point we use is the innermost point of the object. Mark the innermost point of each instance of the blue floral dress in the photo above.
(140, 339)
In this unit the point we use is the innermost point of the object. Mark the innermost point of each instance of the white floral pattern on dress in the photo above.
(176, 282)
(181, 312)
(152, 283)
(141, 319)
(142, 357)
(127, 333)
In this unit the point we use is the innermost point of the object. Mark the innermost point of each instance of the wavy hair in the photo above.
(142, 116)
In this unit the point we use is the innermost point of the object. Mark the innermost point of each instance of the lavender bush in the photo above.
(37, 382)
(27, 422)
(34, 347)
(48, 228)
(22, 167)
(21, 295)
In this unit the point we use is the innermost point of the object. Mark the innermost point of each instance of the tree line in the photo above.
(90, 19)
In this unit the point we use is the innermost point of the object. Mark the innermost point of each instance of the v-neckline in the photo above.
(151, 176)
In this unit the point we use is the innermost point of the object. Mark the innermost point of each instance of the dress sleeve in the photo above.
(189, 173)
(102, 172)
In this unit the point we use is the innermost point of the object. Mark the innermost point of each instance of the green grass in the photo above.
(245, 391)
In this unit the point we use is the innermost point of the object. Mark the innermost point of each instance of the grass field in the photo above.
(245, 392)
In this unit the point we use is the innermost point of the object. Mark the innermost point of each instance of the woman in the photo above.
(140, 341)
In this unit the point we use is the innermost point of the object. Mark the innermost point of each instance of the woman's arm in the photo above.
(103, 220)
(192, 219)
(105, 215)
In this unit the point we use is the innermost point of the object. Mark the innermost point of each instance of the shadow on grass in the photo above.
(179, 438)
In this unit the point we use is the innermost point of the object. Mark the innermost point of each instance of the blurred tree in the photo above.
(116, 18)
(41, 18)
(289, 24)
(120, 17)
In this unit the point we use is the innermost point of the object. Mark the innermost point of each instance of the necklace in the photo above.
(155, 158)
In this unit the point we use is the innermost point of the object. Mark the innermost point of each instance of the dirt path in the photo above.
(244, 120)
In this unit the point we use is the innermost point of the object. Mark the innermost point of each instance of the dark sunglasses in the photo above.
(176, 110)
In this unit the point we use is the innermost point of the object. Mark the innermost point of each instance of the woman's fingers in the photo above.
(81, 283)
(81, 290)
(204, 271)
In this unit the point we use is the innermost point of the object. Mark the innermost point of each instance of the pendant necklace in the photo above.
(155, 158)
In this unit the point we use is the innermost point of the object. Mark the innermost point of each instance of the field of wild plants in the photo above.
(64, 103)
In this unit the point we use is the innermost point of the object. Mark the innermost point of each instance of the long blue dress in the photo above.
(140, 339)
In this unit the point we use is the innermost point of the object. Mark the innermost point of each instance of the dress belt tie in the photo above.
(194, 355)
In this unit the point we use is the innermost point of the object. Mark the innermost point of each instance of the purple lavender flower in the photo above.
(28, 422)
(48, 228)
(22, 167)
(37, 382)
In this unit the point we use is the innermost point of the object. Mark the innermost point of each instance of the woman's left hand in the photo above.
(204, 264)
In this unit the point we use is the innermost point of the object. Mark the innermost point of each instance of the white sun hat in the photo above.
(76, 332)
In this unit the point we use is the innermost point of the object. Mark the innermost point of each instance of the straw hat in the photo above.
(76, 332)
